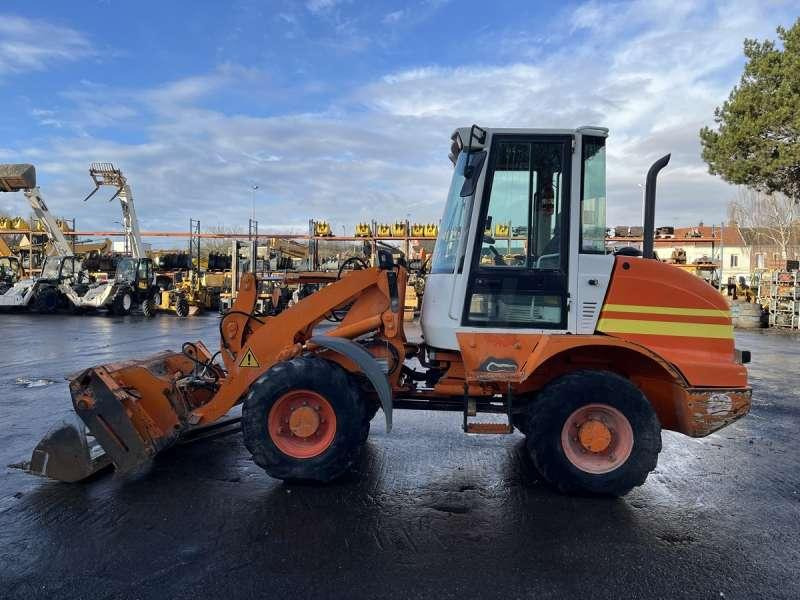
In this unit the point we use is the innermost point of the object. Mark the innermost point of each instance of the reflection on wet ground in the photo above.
(428, 512)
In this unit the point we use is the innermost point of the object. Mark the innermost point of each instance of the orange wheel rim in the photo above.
(302, 424)
(597, 438)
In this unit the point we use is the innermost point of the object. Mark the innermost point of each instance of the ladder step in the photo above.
(489, 428)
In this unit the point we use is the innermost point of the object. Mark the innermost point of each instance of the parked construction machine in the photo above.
(11, 270)
(134, 280)
(588, 354)
(62, 276)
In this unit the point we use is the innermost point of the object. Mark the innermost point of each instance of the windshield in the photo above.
(456, 213)
(50, 268)
(6, 268)
(126, 269)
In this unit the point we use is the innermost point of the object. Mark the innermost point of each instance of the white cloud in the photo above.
(380, 152)
(318, 6)
(394, 17)
(27, 44)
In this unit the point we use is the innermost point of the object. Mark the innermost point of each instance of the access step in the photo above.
(498, 428)
(471, 410)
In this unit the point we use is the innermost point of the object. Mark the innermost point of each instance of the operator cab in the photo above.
(522, 238)
(61, 268)
(138, 272)
(10, 269)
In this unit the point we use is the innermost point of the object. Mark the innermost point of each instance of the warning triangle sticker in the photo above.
(249, 360)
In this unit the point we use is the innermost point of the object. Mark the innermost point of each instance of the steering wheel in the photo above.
(499, 261)
(355, 263)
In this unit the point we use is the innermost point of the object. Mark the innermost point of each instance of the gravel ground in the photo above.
(428, 513)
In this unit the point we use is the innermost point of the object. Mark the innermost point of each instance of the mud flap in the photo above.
(66, 453)
(368, 365)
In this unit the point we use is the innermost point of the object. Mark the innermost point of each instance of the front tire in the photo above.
(46, 301)
(593, 432)
(122, 303)
(303, 420)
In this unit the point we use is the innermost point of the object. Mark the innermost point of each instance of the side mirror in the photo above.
(472, 172)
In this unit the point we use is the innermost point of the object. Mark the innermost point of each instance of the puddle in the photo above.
(33, 383)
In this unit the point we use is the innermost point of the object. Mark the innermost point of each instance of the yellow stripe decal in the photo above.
(668, 310)
(703, 330)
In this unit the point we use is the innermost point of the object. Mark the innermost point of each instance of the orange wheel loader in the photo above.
(526, 316)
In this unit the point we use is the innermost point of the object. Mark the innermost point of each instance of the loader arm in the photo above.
(251, 345)
(135, 409)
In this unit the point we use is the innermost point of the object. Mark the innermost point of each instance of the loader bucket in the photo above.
(14, 178)
(126, 413)
(66, 453)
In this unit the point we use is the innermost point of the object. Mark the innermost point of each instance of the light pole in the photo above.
(253, 199)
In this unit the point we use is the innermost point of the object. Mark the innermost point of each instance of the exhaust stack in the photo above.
(650, 206)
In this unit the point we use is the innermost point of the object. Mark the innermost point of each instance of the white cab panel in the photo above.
(438, 327)
(594, 275)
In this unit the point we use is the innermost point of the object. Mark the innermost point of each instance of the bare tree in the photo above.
(766, 219)
(219, 245)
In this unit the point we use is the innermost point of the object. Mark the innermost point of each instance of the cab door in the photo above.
(518, 274)
(144, 275)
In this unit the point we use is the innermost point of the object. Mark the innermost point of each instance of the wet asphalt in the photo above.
(428, 513)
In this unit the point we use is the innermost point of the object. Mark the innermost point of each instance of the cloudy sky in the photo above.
(342, 110)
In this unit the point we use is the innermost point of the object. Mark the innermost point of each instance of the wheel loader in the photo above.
(588, 354)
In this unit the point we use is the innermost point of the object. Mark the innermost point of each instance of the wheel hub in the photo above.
(597, 438)
(304, 421)
(594, 436)
(302, 424)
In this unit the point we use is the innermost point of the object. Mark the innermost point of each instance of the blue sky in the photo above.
(342, 110)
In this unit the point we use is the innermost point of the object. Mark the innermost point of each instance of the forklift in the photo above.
(589, 354)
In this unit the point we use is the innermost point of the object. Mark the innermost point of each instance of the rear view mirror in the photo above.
(14, 178)
(472, 172)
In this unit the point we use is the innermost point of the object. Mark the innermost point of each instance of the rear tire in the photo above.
(148, 308)
(289, 448)
(601, 408)
(181, 306)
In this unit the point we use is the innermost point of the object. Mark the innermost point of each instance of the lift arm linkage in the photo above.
(108, 174)
(57, 237)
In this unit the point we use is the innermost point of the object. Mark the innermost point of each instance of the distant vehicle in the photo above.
(61, 279)
(133, 285)
(10, 272)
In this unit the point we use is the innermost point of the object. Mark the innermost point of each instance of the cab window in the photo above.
(144, 269)
(522, 227)
(593, 196)
(519, 272)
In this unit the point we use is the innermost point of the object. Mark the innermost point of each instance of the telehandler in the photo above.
(134, 280)
(588, 354)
